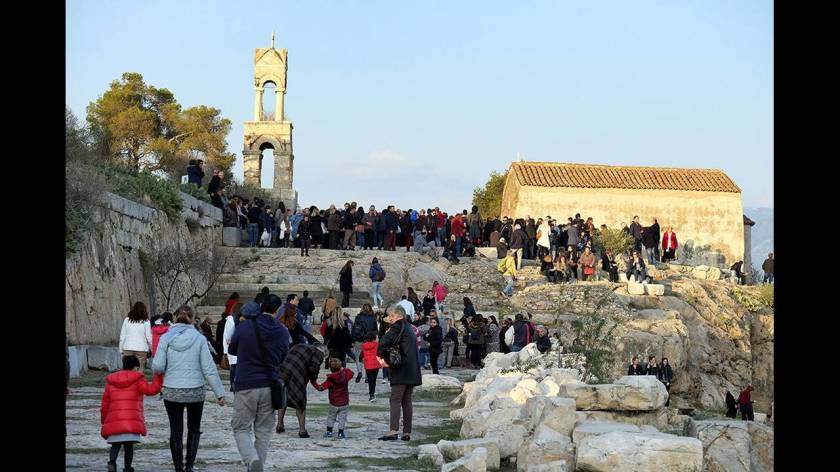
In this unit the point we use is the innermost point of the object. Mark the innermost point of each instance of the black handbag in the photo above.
(395, 357)
(277, 385)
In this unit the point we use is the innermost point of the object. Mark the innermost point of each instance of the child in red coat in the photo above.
(339, 396)
(371, 363)
(122, 409)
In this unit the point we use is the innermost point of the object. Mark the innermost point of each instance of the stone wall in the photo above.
(704, 218)
(105, 276)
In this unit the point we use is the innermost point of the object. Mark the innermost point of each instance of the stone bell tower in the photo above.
(270, 132)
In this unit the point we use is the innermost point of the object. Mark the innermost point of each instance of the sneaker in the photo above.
(384, 382)
(359, 377)
(372, 398)
(341, 435)
(328, 434)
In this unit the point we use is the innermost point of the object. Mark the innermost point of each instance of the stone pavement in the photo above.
(87, 450)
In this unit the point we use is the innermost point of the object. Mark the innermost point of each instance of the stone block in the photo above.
(546, 445)
(231, 237)
(586, 428)
(476, 461)
(454, 450)
(622, 277)
(439, 382)
(104, 358)
(654, 289)
(635, 289)
(510, 436)
(431, 452)
(621, 450)
(78, 361)
(629, 393)
(558, 413)
(726, 444)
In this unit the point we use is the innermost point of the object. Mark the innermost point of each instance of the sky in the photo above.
(415, 103)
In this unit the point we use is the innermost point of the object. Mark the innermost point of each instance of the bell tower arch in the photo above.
(270, 131)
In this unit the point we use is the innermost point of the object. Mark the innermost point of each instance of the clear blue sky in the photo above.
(414, 103)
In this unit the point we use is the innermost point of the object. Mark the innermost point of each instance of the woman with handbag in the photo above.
(398, 352)
(587, 261)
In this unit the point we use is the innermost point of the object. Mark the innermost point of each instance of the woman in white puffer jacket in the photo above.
(136, 333)
(230, 327)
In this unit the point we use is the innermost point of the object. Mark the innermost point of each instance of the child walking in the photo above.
(122, 410)
(339, 396)
(371, 363)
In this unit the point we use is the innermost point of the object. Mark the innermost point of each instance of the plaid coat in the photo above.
(301, 365)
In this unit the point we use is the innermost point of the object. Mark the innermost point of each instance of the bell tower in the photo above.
(268, 131)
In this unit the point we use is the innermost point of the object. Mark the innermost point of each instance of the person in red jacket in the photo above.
(159, 329)
(371, 363)
(669, 244)
(122, 410)
(339, 396)
(745, 404)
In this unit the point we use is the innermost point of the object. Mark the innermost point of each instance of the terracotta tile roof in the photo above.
(558, 174)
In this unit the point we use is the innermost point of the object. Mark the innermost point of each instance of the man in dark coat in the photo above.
(403, 377)
(195, 172)
(390, 221)
(517, 243)
(521, 333)
(654, 228)
(767, 267)
(215, 182)
(636, 232)
(635, 368)
(649, 241)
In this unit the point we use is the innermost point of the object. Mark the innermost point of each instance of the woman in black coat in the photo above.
(731, 405)
(429, 303)
(345, 283)
(315, 227)
(337, 337)
(666, 375)
(435, 339)
(403, 377)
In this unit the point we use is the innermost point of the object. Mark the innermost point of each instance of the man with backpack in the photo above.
(377, 275)
(519, 335)
(364, 324)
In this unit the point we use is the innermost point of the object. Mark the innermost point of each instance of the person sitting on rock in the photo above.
(543, 340)
(637, 268)
(609, 265)
(635, 368)
(547, 267)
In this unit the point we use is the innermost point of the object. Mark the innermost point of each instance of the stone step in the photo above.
(217, 298)
(216, 310)
(274, 287)
(278, 278)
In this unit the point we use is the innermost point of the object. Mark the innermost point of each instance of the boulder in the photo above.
(454, 450)
(620, 451)
(634, 288)
(629, 393)
(558, 413)
(680, 268)
(590, 428)
(431, 452)
(726, 445)
(476, 461)
(439, 382)
(553, 466)
(622, 277)
(104, 358)
(658, 419)
(510, 436)
(479, 421)
(546, 445)
(655, 289)
(761, 447)
(78, 360)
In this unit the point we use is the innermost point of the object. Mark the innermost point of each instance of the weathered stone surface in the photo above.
(659, 419)
(726, 445)
(654, 289)
(590, 428)
(762, 447)
(231, 237)
(620, 451)
(546, 445)
(78, 360)
(629, 393)
(479, 421)
(557, 413)
(510, 436)
(634, 288)
(439, 382)
(104, 358)
(453, 450)
(476, 461)
(431, 452)
(553, 466)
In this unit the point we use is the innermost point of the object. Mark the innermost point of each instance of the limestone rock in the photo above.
(655, 289)
(620, 451)
(553, 466)
(657, 418)
(78, 361)
(557, 413)
(761, 447)
(476, 461)
(431, 452)
(479, 421)
(231, 237)
(629, 393)
(104, 358)
(510, 436)
(454, 450)
(439, 382)
(590, 428)
(726, 445)
(634, 288)
(547, 445)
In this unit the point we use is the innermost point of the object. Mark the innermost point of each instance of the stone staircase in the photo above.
(283, 271)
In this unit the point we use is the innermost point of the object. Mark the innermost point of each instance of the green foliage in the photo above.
(489, 198)
(144, 128)
(149, 187)
(234, 187)
(754, 303)
(195, 191)
(612, 239)
(766, 295)
(592, 339)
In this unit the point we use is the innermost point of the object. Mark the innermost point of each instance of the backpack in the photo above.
(476, 336)
(379, 275)
(359, 330)
(502, 266)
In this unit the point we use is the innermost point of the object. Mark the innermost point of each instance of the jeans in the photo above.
(360, 239)
(252, 408)
(515, 348)
(641, 275)
(307, 323)
(401, 399)
(232, 377)
(253, 234)
(423, 358)
(656, 252)
(439, 236)
(338, 413)
(768, 278)
(651, 255)
(508, 285)
(375, 294)
(448, 351)
(458, 246)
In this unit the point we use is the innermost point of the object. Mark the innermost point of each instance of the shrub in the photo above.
(161, 193)
(83, 188)
(614, 240)
(766, 295)
(592, 339)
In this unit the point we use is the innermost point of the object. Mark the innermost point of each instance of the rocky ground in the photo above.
(87, 450)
